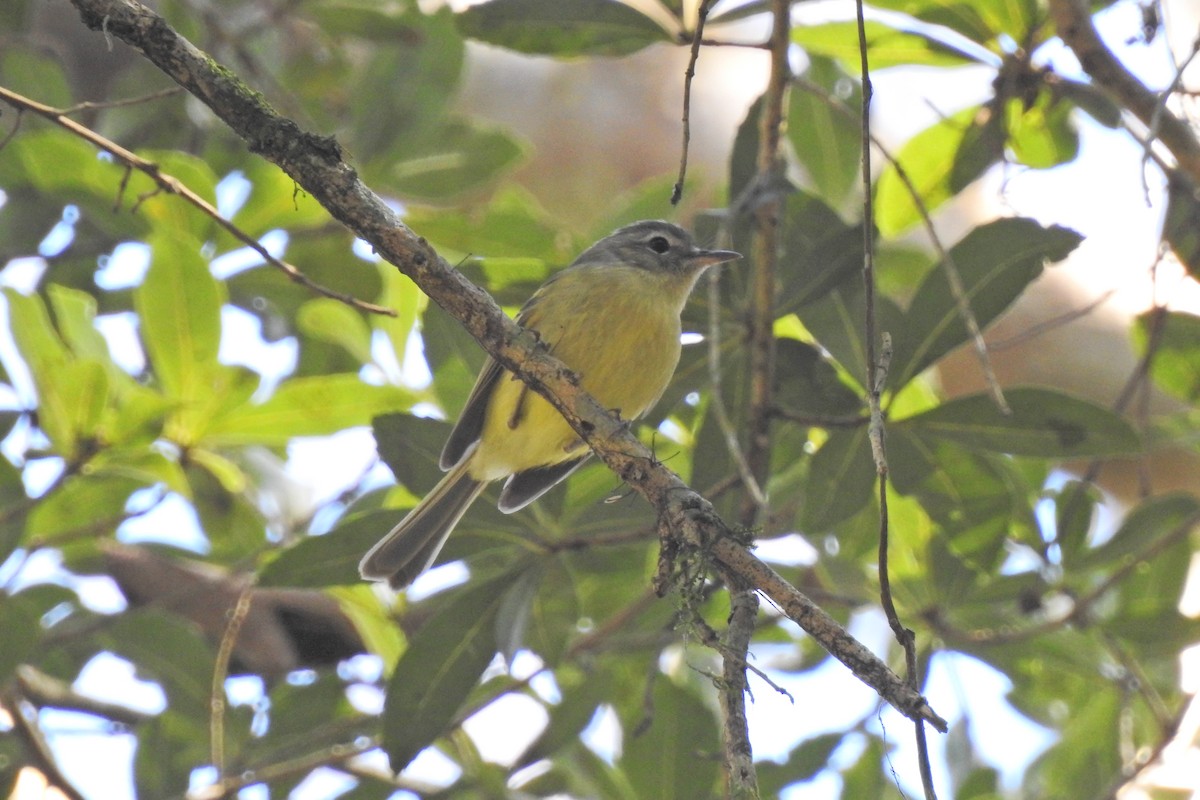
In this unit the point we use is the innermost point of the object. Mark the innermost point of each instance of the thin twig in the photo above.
(37, 749)
(8, 137)
(1160, 108)
(228, 786)
(89, 105)
(46, 690)
(740, 774)
(1073, 21)
(173, 185)
(688, 74)
(877, 370)
(1067, 317)
(216, 722)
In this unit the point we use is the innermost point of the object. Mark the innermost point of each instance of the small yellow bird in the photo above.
(613, 317)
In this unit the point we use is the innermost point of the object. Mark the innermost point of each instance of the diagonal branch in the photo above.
(316, 164)
(1073, 19)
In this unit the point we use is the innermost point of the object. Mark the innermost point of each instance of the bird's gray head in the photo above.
(654, 245)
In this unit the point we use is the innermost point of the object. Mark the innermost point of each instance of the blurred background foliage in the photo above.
(130, 395)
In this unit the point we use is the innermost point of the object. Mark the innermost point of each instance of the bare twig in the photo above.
(1160, 108)
(216, 722)
(46, 690)
(229, 786)
(688, 74)
(25, 728)
(876, 378)
(1034, 331)
(172, 185)
(1073, 19)
(88, 105)
(740, 774)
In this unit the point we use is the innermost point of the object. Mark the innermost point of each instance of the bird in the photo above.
(612, 317)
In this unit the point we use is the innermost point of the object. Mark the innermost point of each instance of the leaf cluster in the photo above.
(996, 553)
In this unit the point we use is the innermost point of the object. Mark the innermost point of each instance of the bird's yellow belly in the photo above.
(625, 357)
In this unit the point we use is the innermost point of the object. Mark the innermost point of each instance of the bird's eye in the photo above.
(659, 244)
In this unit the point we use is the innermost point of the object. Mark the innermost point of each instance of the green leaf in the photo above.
(840, 480)
(171, 652)
(568, 718)
(968, 494)
(75, 318)
(995, 263)
(179, 304)
(418, 73)
(865, 778)
(827, 141)
(72, 395)
(439, 669)
(82, 503)
(1042, 135)
(838, 321)
(803, 762)
(20, 630)
(819, 252)
(982, 21)
(373, 621)
(36, 339)
(314, 406)
(561, 28)
(411, 447)
(674, 758)
(337, 323)
(743, 161)
(16, 504)
(143, 465)
(887, 46)
(461, 155)
(331, 559)
(808, 384)
(512, 224)
(1043, 423)
(1175, 366)
(553, 614)
(1145, 525)
(29, 68)
(975, 142)
(170, 746)
(1181, 226)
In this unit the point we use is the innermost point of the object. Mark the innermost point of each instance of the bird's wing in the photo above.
(524, 487)
(470, 422)
(469, 426)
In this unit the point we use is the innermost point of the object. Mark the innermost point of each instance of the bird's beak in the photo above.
(707, 258)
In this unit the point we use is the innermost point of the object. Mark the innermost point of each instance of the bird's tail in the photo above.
(411, 546)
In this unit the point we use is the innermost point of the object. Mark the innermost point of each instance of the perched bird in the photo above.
(613, 317)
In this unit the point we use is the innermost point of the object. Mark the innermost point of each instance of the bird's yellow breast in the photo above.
(618, 329)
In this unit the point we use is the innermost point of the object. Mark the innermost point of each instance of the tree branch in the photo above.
(316, 164)
(1073, 19)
